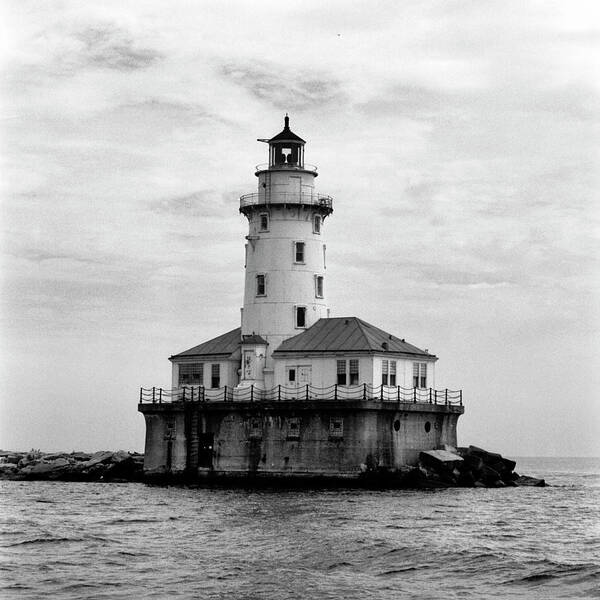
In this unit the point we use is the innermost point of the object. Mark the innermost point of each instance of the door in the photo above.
(205, 450)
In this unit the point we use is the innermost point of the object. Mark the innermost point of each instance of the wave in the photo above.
(48, 540)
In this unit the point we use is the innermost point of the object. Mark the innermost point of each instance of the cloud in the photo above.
(291, 89)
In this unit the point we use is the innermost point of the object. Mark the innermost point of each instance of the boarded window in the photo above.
(261, 285)
(299, 252)
(336, 427)
(256, 428)
(392, 372)
(191, 374)
(264, 222)
(215, 376)
(384, 372)
(293, 429)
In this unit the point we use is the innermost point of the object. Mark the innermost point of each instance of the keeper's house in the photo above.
(294, 392)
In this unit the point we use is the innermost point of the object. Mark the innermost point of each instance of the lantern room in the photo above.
(286, 149)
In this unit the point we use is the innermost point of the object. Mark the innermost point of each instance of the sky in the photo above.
(459, 141)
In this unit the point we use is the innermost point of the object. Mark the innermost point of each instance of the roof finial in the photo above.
(286, 121)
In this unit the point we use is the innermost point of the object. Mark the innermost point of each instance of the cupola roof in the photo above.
(287, 135)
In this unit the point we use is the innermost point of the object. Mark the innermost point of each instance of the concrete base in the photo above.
(318, 441)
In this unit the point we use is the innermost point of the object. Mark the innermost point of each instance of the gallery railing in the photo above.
(365, 391)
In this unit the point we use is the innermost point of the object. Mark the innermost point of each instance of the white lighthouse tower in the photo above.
(285, 290)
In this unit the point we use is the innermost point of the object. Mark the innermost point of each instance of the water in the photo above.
(89, 540)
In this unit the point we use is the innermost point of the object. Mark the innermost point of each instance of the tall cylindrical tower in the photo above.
(285, 287)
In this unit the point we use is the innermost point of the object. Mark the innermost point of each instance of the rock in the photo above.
(441, 460)
(475, 463)
(524, 480)
(97, 458)
(46, 470)
(489, 475)
(479, 484)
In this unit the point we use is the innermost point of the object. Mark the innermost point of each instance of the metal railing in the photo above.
(364, 391)
(286, 198)
(267, 166)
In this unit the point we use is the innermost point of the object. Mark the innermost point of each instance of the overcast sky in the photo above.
(458, 139)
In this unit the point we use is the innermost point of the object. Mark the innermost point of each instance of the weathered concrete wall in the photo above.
(166, 444)
(296, 438)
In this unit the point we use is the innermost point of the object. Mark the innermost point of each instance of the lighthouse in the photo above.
(292, 392)
(285, 266)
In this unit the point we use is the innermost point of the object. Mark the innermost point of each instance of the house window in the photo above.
(317, 224)
(420, 375)
(347, 372)
(300, 316)
(336, 427)
(215, 375)
(261, 285)
(353, 372)
(264, 222)
(341, 372)
(384, 372)
(392, 372)
(191, 374)
(292, 375)
(319, 286)
(299, 252)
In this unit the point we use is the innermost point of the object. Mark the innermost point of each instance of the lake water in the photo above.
(90, 540)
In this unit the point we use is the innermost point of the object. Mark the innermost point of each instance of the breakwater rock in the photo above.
(468, 467)
(76, 466)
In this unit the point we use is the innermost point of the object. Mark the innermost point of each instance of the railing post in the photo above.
(435, 396)
(225, 394)
(335, 392)
(364, 391)
(252, 393)
(446, 396)
(203, 394)
(279, 392)
(192, 399)
(381, 393)
(141, 395)
(183, 397)
(414, 394)
(460, 397)
(429, 395)
(307, 391)
(398, 393)
(153, 394)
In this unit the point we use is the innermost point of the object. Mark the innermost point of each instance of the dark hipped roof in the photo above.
(347, 334)
(287, 135)
(222, 346)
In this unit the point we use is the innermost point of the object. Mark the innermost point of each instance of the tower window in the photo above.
(191, 374)
(319, 286)
(261, 285)
(215, 375)
(299, 252)
(317, 224)
(300, 316)
(264, 222)
(420, 375)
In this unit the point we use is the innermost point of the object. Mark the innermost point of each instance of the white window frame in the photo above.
(317, 228)
(260, 217)
(199, 369)
(385, 376)
(296, 307)
(420, 375)
(348, 372)
(264, 279)
(322, 278)
(295, 248)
